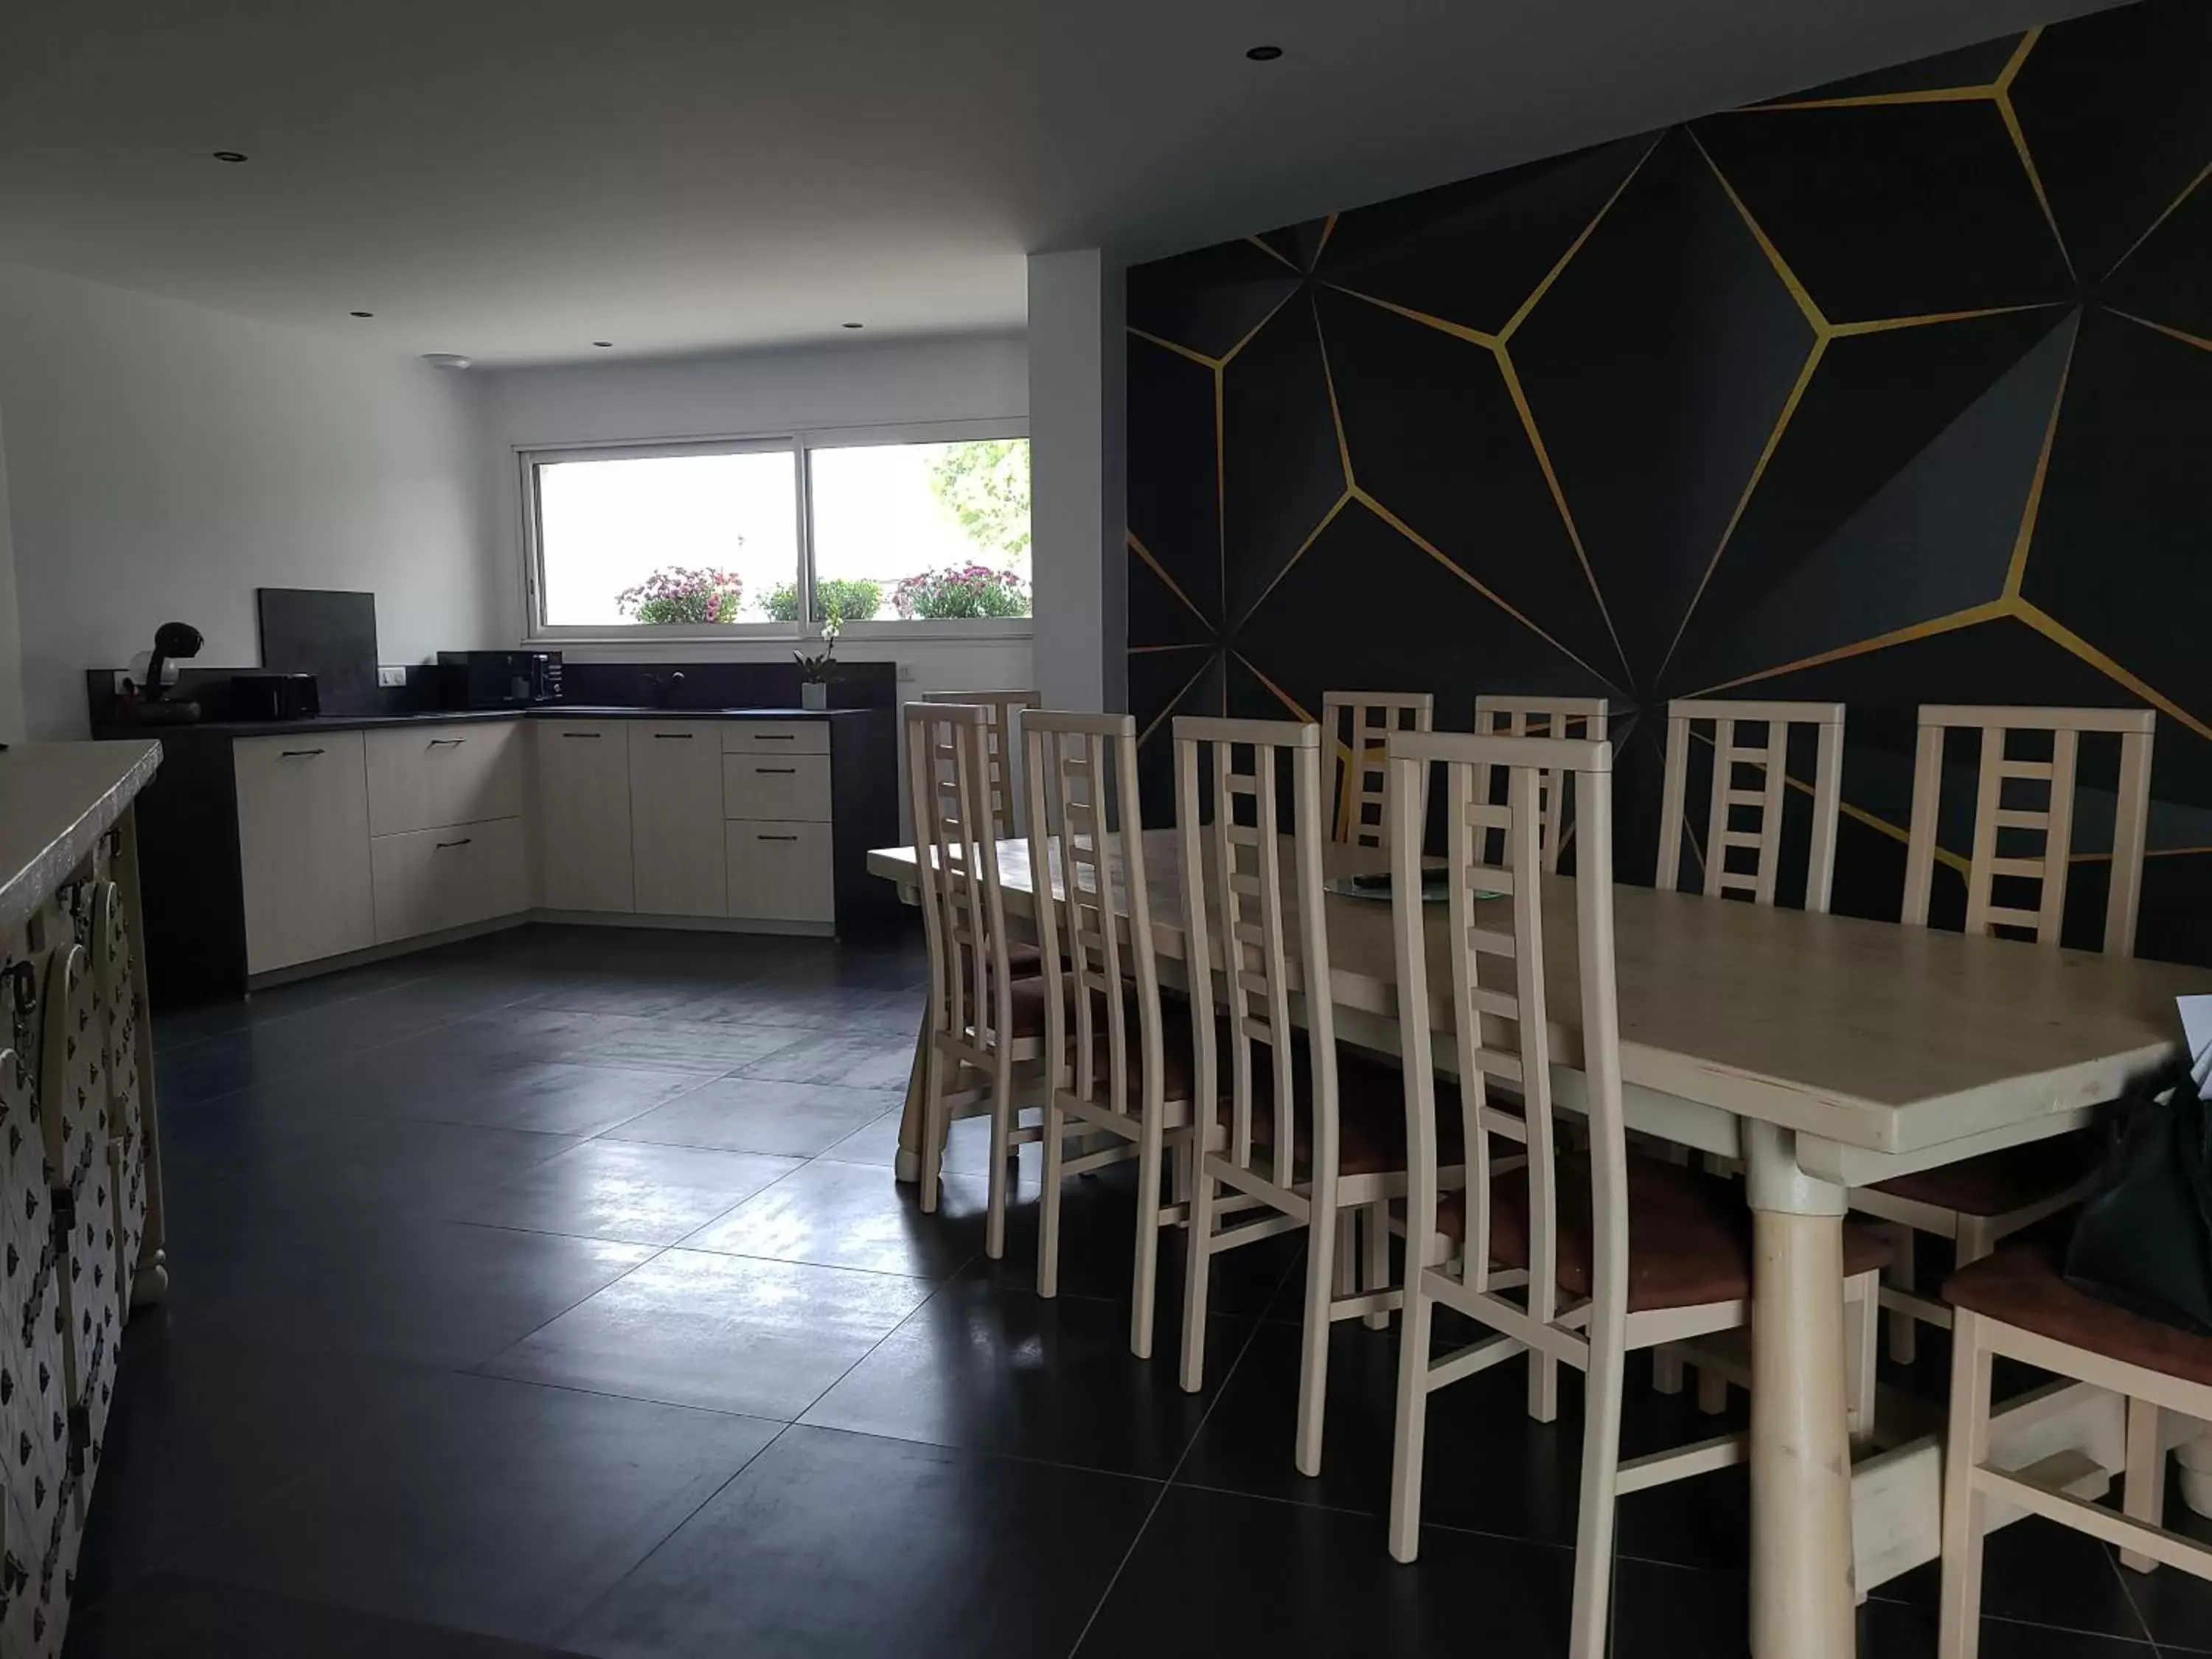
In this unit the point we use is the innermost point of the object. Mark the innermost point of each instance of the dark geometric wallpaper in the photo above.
(1899, 391)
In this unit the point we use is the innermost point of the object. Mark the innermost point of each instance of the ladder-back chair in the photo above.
(1354, 726)
(1979, 1201)
(1583, 718)
(1741, 819)
(1002, 712)
(1128, 1066)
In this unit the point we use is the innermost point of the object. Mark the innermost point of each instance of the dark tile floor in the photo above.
(551, 1294)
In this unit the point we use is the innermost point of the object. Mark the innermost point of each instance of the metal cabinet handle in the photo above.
(463, 842)
(776, 771)
(446, 743)
(294, 754)
(582, 734)
(685, 736)
(775, 838)
(775, 737)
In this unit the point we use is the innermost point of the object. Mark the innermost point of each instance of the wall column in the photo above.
(1078, 440)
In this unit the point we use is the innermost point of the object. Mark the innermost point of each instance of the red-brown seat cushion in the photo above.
(1689, 1233)
(1370, 1112)
(1997, 1183)
(2022, 1287)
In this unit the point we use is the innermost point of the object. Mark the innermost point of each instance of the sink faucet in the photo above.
(661, 693)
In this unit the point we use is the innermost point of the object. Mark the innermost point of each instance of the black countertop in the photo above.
(448, 716)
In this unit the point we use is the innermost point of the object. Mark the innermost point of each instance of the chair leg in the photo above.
(1055, 1154)
(1196, 1269)
(934, 1126)
(2144, 1497)
(1712, 1391)
(1145, 1277)
(1347, 1253)
(1410, 1435)
(1666, 1371)
(1322, 1269)
(1960, 1602)
(1378, 1263)
(1594, 1525)
(1904, 1328)
(1861, 1345)
(1002, 1143)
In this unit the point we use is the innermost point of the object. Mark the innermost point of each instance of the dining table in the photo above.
(1821, 1053)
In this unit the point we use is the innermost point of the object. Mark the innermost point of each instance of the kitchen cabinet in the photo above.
(429, 880)
(583, 815)
(781, 872)
(303, 847)
(430, 775)
(677, 844)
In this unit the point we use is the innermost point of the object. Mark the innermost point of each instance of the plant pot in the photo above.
(813, 694)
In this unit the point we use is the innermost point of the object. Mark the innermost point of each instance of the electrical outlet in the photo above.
(392, 673)
(906, 671)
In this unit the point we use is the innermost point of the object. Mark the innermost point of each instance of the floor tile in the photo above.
(967, 1147)
(851, 1215)
(724, 1333)
(834, 1544)
(753, 1115)
(630, 1191)
(2036, 1572)
(1008, 1371)
(882, 1060)
(172, 1616)
(500, 1507)
(2176, 1608)
(551, 1097)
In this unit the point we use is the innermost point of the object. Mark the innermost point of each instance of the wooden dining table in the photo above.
(1823, 1052)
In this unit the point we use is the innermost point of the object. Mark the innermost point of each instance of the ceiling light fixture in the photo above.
(1263, 54)
(232, 155)
(361, 313)
(452, 359)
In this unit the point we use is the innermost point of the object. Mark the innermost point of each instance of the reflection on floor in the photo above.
(551, 1294)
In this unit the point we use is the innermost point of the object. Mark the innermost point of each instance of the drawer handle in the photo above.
(446, 743)
(776, 771)
(685, 736)
(294, 754)
(463, 842)
(582, 734)
(775, 737)
(775, 838)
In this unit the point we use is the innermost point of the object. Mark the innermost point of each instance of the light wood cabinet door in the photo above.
(583, 815)
(426, 775)
(676, 819)
(428, 880)
(781, 871)
(303, 847)
(776, 787)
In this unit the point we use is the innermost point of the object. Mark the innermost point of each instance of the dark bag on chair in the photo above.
(2145, 1241)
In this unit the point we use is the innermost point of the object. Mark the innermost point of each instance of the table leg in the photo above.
(908, 1168)
(1802, 1575)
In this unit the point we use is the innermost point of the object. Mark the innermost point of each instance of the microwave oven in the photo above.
(502, 679)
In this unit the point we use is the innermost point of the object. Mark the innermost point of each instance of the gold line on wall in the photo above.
(1751, 484)
(2011, 119)
(1457, 331)
(2056, 632)
(1221, 477)
(1888, 325)
(1268, 249)
(1520, 397)
(1328, 230)
(2201, 343)
(1813, 314)
(1520, 313)
(1312, 536)
(1230, 355)
(1169, 708)
(1335, 413)
(1157, 650)
(1429, 548)
(1198, 357)
(2187, 190)
(2002, 85)
(1987, 611)
(2016, 572)
(1160, 570)
(1876, 99)
(1280, 696)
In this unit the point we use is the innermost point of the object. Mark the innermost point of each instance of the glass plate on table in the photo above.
(1377, 885)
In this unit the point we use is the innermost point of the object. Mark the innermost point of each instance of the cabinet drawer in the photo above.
(776, 787)
(425, 777)
(775, 737)
(302, 847)
(429, 879)
(781, 871)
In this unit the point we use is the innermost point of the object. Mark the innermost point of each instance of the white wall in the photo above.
(164, 461)
(756, 394)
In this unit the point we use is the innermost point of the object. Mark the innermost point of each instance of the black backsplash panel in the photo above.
(1894, 391)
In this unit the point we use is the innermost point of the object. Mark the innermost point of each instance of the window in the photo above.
(902, 528)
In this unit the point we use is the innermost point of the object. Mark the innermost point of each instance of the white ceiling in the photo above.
(515, 178)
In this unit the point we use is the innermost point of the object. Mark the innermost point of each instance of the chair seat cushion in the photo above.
(1370, 1113)
(2023, 1286)
(1689, 1233)
(1997, 1183)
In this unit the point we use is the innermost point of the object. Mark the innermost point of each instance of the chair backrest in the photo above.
(1260, 940)
(1500, 1019)
(2001, 825)
(1749, 819)
(1001, 742)
(1354, 726)
(964, 912)
(1087, 842)
(1573, 718)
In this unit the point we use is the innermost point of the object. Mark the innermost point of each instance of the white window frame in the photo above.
(800, 443)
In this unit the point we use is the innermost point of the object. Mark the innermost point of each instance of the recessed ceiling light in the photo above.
(452, 359)
(604, 345)
(853, 325)
(361, 313)
(232, 155)
(1263, 54)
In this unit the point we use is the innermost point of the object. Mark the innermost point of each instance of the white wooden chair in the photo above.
(1742, 820)
(1001, 744)
(2017, 1304)
(1354, 725)
(1980, 1201)
(1305, 1132)
(1570, 1258)
(1128, 1065)
(1580, 717)
(986, 1023)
